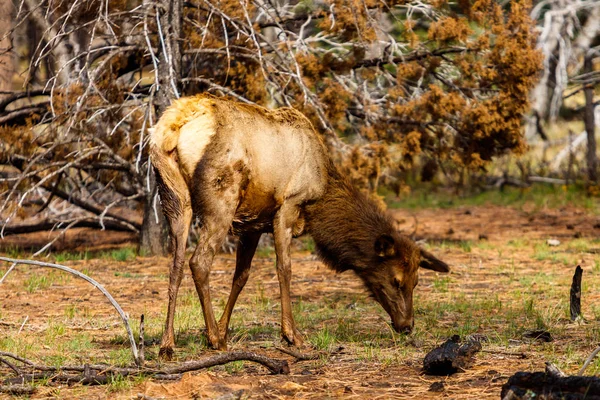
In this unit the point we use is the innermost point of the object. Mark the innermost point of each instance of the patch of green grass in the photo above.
(518, 243)
(127, 275)
(79, 344)
(464, 245)
(71, 311)
(596, 267)
(541, 195)
(122, 254)
(323, 339)
(56, 360)
(68, 256)
(441, 283)
(119, 383)
(261, 300)
(234, 367)
(13, 252)
(121, 357)
(543, 252)
(55, 330)
(38, 282)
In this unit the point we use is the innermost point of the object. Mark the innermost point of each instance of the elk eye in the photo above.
(397, 284)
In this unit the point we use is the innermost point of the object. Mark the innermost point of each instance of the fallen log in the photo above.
(543, 385)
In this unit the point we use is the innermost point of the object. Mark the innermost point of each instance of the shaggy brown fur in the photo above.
(250, 170)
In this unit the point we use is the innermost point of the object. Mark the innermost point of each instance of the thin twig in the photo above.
(588, 361)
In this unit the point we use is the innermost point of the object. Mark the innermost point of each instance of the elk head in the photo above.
(393, 275)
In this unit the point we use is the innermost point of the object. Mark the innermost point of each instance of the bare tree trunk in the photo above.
(592, 160)
(62, 50)
(7, 65)
(154, 233)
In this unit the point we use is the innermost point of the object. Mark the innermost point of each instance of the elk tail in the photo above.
(172, 188)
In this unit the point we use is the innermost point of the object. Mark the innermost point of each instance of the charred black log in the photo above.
(576, 294)
(450, 357)
(529, 385)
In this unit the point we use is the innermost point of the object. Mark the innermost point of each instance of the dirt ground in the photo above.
(504, 281)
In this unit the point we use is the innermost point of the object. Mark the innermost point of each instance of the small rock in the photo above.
(483, 236)
(450, 231)
(597, 225)
(468, 212)
(577, 235)
(570, 227)
(437, 387)
(553, 242)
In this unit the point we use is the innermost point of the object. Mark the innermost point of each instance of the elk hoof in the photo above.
(166, 353)
(218, 344)
(295, 340)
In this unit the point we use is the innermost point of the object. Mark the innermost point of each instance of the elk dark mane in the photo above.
(344, 224)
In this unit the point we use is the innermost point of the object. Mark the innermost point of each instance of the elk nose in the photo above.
(406, 329)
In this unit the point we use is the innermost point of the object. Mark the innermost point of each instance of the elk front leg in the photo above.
(282, 232)
(179, 227)
(245, 251)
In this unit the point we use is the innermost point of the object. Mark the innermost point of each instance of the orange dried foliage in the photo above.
(449, 29)
(351, 19)
(336, 99)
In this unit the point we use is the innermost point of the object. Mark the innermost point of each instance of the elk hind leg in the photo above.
(215, 225)
(179, 216)
(245, 252)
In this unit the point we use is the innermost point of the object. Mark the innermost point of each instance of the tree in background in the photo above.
(386, 83)
(569, 40)
(7, 66)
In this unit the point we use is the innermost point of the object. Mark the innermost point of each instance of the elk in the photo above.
(249, 170)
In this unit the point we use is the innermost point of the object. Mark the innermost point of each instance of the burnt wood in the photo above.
(576, 294)
(529, 385)
(450, 357)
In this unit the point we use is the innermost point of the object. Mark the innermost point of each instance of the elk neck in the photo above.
(344, 223)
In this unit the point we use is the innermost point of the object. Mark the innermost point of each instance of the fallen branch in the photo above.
(506, 353)
(588, 361)
(17, 390)
(95, 284)
(102, 374)
(273, 365)
(544, 179)
(48, 225)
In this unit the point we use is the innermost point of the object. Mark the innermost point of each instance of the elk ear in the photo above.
(385, 246)
(429, 261)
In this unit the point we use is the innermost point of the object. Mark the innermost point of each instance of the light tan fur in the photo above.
(241, 167)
